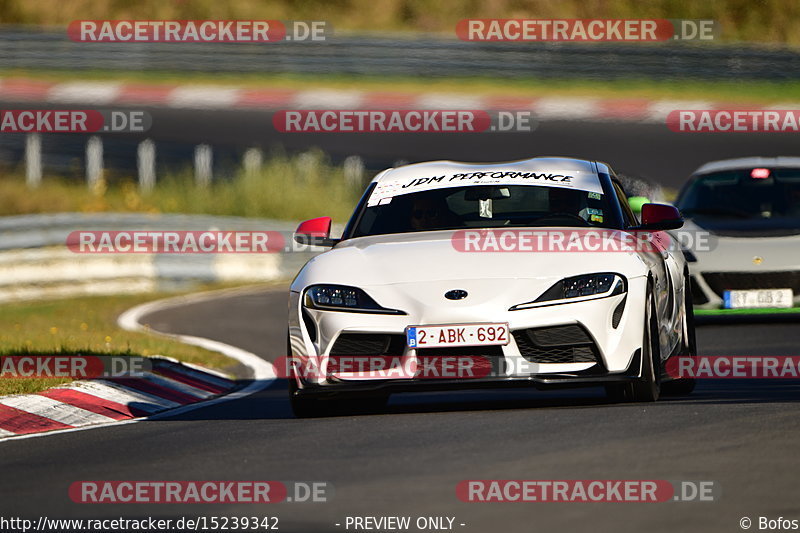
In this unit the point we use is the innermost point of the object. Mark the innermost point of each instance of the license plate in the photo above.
(457, 335)
(758, 298)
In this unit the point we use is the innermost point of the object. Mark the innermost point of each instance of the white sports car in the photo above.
(453, 275)
(750, 260)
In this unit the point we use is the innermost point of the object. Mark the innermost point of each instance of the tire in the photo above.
(685, 386)
(648, 387)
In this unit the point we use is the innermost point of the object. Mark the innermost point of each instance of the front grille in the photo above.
(698, 296)
(557, 344)
(719, 282)
(368, 344)
(486, 351)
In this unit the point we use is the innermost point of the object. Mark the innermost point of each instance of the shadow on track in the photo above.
(273, 403)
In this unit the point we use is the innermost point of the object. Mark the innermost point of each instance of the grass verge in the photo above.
(86, 326)
(776, 21)
(286, 188)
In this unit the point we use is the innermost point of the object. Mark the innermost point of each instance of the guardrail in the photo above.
(409, 54)
(35, 262)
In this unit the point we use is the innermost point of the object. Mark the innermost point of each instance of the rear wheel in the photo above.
(648, 387)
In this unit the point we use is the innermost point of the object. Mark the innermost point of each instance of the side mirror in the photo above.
(315, 232)
(660, 217)
(636, 203)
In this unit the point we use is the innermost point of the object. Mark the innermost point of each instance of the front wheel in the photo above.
(648, 387)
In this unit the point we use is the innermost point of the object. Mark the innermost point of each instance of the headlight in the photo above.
(343, 298)
(578, 289)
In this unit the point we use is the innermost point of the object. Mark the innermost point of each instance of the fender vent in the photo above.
(617, 316)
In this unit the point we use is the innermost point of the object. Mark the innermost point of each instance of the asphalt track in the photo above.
(407, 461)
(647, 150)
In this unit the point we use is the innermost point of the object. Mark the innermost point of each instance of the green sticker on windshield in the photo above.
(595, 195)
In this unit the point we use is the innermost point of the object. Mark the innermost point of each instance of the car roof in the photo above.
(536, 164)
(748, 162)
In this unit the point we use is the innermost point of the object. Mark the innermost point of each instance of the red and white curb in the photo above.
(97, 93)
(172, 388)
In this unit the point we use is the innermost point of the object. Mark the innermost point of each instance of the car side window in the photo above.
(627, 212)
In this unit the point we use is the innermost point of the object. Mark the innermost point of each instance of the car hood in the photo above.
(432, 257)
(748, 227)
(725, 253)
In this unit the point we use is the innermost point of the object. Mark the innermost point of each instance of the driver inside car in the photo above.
(431, 213)
(567, 201)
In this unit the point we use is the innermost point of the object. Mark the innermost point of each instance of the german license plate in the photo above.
(758, 298)
(457, 335)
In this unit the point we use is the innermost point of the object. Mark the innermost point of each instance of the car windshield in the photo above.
(486, 206)
(744, 194)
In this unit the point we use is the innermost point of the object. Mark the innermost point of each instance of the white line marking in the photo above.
(203, 97)
(661, 108)
(79, 91)
(328, 99)
(264, 373)
(449, 101)
(564, 108)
